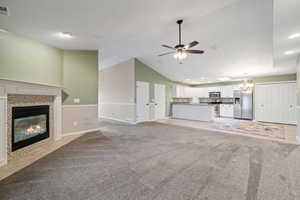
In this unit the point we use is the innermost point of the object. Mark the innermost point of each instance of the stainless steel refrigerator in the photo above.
(243, 105)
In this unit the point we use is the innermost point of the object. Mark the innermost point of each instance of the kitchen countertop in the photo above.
(195, 104)
(201, 103)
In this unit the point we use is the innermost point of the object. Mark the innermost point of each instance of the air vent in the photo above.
(4, 10)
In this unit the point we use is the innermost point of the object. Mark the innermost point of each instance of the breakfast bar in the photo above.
(190, 111)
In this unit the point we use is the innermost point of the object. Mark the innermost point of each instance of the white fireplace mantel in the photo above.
(16, 87)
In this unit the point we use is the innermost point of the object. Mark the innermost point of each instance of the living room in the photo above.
(149, 99)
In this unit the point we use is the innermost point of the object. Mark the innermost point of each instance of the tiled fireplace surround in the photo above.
(14, 93)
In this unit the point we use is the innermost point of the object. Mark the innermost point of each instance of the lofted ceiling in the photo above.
(237, 35)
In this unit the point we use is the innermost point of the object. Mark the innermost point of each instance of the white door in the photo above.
(142, 101)
(276, 103)
(160, 101)
(290, 109)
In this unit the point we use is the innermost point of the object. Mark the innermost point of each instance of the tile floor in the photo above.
(290, 131)
(16, 165)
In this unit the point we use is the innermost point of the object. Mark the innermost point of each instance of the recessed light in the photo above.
(289, 52)
(3, 30)
(64, 35)
(295, 35)
(224, 79)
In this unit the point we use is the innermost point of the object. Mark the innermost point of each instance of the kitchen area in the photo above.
(265, 110)
(210, 103)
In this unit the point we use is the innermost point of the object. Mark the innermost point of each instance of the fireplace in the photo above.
(30, 124)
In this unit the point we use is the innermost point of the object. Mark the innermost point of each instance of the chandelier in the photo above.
(247, 86)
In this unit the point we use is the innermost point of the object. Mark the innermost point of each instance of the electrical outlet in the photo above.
(76, 100)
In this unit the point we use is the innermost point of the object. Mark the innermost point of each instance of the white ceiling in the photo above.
(237, 35)
(286, 23)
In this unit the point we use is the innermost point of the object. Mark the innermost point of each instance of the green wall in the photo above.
(262, 79)
(22, 59)
(277, 78)
(147, 74)
(80, 76)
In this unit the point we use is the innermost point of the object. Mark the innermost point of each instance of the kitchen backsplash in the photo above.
(201, 100)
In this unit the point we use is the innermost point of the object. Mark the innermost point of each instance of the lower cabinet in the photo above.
(226, 110)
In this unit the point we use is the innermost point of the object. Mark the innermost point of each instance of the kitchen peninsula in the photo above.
(193, 111)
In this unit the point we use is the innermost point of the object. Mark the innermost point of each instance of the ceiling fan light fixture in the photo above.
(180, 56)
(180, 51)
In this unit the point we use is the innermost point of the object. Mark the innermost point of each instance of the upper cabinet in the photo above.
(227, 91)
(184, 91)
(181, 91)
(189, 92)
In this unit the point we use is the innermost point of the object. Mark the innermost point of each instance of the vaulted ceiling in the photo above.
(237, 35)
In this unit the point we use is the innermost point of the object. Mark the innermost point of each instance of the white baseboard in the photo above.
(118, 120)
(154, 120)
(298, 139)
(3, 162)
(81, 132)
(80, 105)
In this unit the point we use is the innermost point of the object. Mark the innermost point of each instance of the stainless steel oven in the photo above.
(214, 95)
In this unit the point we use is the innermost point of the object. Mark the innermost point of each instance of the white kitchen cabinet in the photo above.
(212, 89)
(227, 91)
(226, 110)
(174, 90)
(276, 102)
(236, 87)
(180, 91)
(205, 92)
(189, 92)
(196, 92)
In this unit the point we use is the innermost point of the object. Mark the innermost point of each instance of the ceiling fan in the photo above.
(180, 51)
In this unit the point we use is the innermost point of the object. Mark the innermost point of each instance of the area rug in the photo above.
(252, 128)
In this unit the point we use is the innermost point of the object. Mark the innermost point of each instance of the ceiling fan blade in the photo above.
(166, 53)
(166, 46)
(190, 45)
(194, 51)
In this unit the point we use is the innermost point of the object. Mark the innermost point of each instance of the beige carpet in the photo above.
(252, 128)
(155, 161)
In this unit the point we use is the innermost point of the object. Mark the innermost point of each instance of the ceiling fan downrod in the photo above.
(179, 22)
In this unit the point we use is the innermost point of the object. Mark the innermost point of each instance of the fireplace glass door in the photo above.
(29, 125)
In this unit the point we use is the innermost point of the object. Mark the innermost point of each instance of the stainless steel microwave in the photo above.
(214, 95)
